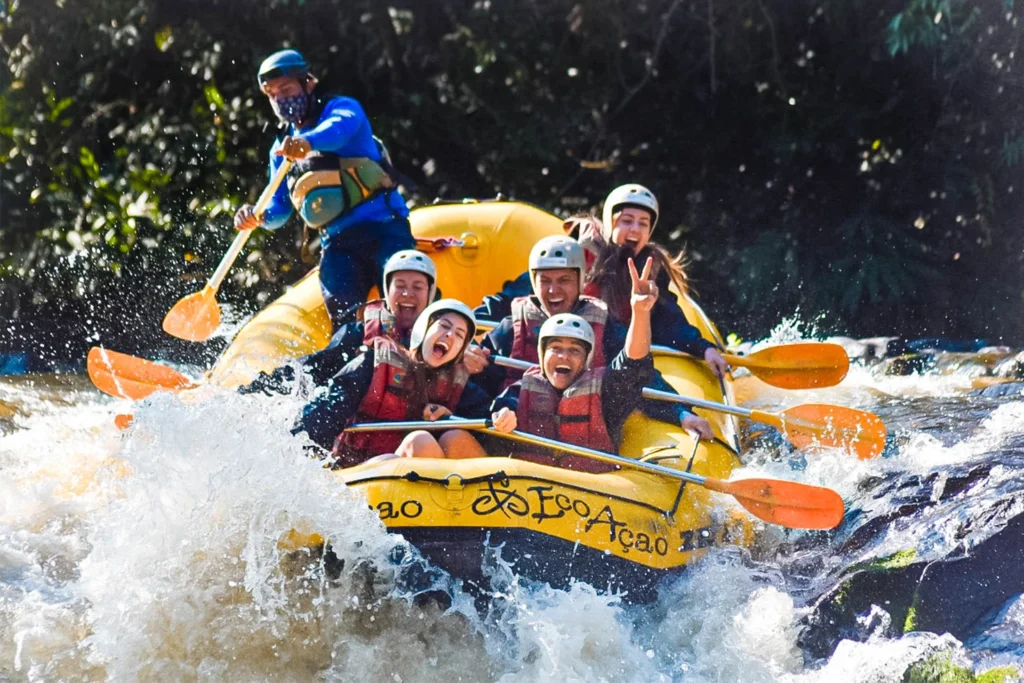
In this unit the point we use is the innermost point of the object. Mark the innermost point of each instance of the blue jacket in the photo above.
(343, 129)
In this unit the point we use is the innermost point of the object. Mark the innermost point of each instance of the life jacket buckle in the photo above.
(455, 488)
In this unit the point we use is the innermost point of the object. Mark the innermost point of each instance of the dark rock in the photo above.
(948, 595)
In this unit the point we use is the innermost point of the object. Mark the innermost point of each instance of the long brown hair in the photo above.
(607, 274)
(422, 380)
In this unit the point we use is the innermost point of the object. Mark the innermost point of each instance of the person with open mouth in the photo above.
(566, 399)
(628, 219)
(557, 265)
(426, 381)
(409, 284)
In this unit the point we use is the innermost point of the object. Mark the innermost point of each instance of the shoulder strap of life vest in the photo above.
(384, 401)
(378, 321)
(595, 312)
(527, 317)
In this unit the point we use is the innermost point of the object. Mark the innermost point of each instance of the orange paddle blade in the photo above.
(124, 376)
(797, 366)
(787, 503)
(123, 421)
(817, 424)
(195, 317)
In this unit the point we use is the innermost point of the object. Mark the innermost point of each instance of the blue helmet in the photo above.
(282, 63)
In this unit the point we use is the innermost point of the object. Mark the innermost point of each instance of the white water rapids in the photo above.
(152, 554)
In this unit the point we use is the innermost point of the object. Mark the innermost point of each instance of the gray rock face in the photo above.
(1010, 389)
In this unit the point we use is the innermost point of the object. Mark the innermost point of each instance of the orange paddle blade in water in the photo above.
(124, 376)
(816, 424)
(195, 317)
(796, 366)
(787, 503)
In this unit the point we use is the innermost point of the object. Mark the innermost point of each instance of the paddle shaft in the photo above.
(793, 505)
(698, 402)
(409, 425)
(649, 393)
(523, 437)
(243, 235)
(778, 421)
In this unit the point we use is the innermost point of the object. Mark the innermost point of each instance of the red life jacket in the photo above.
(379, 321)
(387, 400)
(528, 316)
(575, 417)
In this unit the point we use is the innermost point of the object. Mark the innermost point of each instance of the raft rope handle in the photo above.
(438, 243)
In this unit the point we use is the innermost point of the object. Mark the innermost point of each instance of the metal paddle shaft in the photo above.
(514, 363)
(523, 437)
(699, 402)
(648, 393)
(409, 425)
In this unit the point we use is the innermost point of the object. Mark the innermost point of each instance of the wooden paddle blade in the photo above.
(195, 317)
(124, 376)
(787, 503)
(797, 366)
(816, 424)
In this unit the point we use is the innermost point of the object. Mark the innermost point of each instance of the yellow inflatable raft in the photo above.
(621, 530)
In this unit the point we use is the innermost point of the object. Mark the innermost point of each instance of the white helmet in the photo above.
(566, 325)
(432, 312)
(628, 195)
(557, 251)
(414, 261)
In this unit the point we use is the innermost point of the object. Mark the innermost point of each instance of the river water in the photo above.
(152, 553)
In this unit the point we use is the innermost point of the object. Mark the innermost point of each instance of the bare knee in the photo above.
(459, 444)
(419, 444)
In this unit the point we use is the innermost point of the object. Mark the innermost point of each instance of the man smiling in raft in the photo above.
(556, 267)
(566, 399)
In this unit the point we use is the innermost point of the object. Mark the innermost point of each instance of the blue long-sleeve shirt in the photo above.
(343, 129)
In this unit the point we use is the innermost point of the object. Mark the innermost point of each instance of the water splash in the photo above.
(155, 553)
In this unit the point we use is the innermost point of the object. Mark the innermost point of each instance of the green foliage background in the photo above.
(855, 161)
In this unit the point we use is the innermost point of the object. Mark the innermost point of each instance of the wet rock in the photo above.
(937, 344)
(940, 667)
(1007, 390)
(951, 594)
(1011, 367)
(910, 364)
(872, 349)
